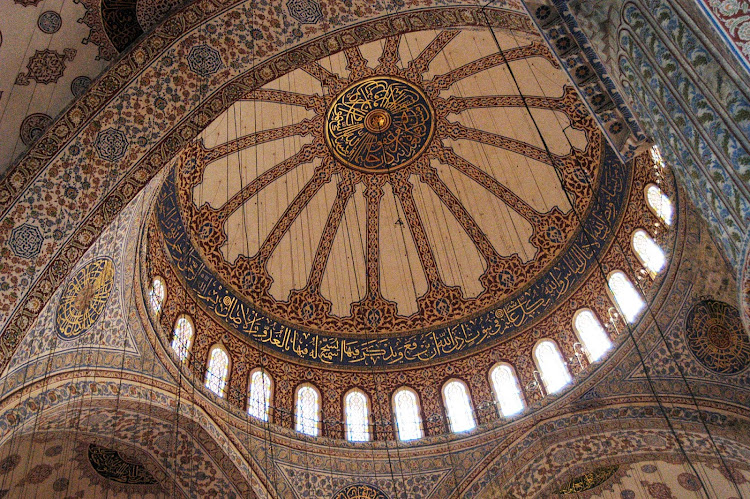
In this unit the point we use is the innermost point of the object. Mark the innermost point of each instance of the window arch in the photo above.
(217, 372)
(357, 416)
(156, 294)
(656, 156)
(182, 339)
(626, 297)
(307, 410)
(406, 412)
(259, 399)
(507, 392)
(550, 363)
(659, 203)
(591, 333)
(458, 406)
(648, 252)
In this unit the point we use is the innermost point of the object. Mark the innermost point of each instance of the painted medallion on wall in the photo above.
(714, 334)
(588, 481)
(84, 298)
(111, 465)
(379, 124)
(360, 491)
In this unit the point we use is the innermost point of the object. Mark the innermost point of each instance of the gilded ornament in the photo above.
(360, 491)
(84, 298)
(715, 336)
(111, 465)
(588, 481)
(379, 124)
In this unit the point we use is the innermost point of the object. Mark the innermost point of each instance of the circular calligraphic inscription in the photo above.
(379, 124)
(360, 491)
(84, 298)
(715, 336)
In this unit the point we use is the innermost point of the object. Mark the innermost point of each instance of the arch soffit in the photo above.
(653, 440)
(52, 402)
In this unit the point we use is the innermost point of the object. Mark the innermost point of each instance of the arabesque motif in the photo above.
(360, 491)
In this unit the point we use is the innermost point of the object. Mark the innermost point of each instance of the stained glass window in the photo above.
(551, 365)
(507, 391)
(659, 203)
(156, 294)
(458, 406)
(260, 395)
(592, 334)
(308, 410)
(183, 337)
(649, 253)
(406, 409)
(357, 417)
(218, 370)
(628, 299)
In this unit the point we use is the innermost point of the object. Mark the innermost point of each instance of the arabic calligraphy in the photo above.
(84, 298)
(561, 279)
(379, 124)
(588, 481)
(109, 464)
(714, 334)
(360, 491)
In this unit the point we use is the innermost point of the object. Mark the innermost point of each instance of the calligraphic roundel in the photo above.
(379, 124)
(84, 298)
(393, 202)
(360, 491)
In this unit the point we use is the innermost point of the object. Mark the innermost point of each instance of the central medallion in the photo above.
(379, 124)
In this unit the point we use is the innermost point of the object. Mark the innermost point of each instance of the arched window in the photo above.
(156, 294)
(656, 157)
(592, 334)
(183, 337)
(308, 410)
(458, 406)
(218, 370)
(551, 365)
(406, 411)
(659, 203)
(648, 252)
(507, 392)
(357, 414)
(259, 400)
(628, 300)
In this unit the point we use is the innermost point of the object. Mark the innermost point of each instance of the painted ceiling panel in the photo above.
(251, 223)
(540, 188)
(451, 179)
(290, 264)
(342, 282)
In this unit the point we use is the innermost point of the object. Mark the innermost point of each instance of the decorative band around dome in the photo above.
(328, 348)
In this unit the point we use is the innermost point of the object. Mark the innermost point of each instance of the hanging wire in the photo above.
(268, 440)
(639, 283)
(601, 269)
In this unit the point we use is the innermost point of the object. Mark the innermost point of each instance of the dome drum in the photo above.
(335, 380)
(325, 236)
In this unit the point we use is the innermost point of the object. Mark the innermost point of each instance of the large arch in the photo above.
(168, 427)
